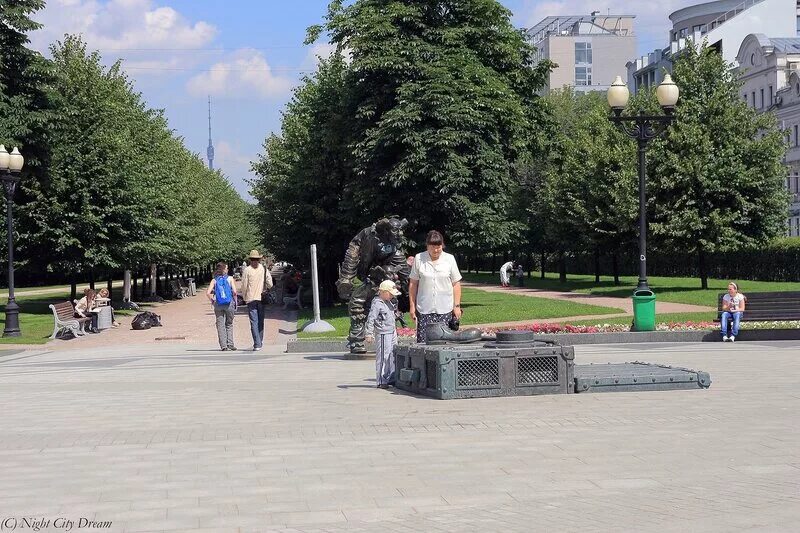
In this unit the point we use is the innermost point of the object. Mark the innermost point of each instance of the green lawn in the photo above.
(664, 317)
(480, 307)
(679, 290)
(36, 318)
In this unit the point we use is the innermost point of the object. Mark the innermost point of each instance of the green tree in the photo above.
(443, 95)
(590, 186)
(716, 180)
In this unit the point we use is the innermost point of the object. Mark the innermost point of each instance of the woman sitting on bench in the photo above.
(733, 305)
(84, 308)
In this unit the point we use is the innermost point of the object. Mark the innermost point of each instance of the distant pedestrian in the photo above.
(520, 275)
(222, 294)
(505, 277)
(253, 283)
(381, 328)
(733, 305)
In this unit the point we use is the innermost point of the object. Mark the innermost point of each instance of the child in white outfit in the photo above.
(381, 328)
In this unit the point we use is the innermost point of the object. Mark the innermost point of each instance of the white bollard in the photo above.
(317, 325)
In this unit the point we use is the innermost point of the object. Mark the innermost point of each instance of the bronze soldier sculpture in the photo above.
(374, 255)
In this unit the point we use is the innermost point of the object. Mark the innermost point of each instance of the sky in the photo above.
(248, 55)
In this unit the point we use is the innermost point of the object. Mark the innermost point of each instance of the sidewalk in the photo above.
(189, 320)
(625, 304)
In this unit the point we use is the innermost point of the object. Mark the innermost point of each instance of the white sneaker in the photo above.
(724, 338)
(731, 338)
(256, 349)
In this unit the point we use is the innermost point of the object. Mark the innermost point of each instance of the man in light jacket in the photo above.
(254, 279)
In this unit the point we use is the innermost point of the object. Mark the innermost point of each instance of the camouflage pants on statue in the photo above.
(358, 307)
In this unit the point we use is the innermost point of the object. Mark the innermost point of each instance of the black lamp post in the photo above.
(643, 128)
(10, 165)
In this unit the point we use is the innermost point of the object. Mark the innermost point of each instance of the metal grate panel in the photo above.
(432, 374)
(472, 373)
(536, 370)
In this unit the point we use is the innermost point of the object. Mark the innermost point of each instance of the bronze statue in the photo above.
(374, 255)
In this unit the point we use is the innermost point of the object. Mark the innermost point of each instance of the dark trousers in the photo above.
(255, 311)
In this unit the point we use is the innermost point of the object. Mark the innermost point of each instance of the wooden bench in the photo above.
(767, 306)
(65, 320)
(177, 290)
(294, 299)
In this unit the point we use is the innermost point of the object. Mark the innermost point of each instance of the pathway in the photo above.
(625, 304)
(189, 320)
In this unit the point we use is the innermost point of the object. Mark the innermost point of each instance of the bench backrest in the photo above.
(64, 310)
(769, 305)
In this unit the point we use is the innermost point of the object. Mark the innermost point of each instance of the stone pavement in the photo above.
(176, 437)
(626, 304)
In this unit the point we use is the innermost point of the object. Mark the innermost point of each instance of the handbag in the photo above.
(266, 293)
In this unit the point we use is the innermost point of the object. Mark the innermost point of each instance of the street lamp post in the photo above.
(643, 128)
(10, 165)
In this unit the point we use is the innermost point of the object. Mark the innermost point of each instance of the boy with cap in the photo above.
(380, 324)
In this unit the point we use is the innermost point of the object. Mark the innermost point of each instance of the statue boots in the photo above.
(439, 333)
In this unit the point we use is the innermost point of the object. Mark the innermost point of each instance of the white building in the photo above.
(722, 24)
(768, 69)
(589, 50)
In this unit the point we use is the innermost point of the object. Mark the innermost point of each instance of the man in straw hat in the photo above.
(254, 278)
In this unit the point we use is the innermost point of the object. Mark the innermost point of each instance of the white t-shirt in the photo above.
(735, 302)
(436, 279)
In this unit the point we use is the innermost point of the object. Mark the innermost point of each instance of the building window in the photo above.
(771, 95)
(762, 98)
(795, 135)
(745, 98)
(583, 53)
(583, 76)
(753, 95)
(683, 32)
(697, 28)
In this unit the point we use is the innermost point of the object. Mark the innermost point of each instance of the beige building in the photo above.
(768, 70)
(590, 51)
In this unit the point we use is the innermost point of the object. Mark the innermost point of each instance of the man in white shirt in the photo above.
(434, 286)
(254, 278)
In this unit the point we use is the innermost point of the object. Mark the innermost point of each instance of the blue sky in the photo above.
(248, 55)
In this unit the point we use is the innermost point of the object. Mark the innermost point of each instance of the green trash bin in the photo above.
(644, 310)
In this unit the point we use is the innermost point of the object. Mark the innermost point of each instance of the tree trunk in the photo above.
(701, 263)
(110, 286)
(544, 260)
(134, 288)
(153, 279)
(73, 289)
(562, 268)
(597, 266)
(493, 265)
(615, 266)
(91, 278)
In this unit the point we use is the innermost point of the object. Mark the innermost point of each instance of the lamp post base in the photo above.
(12, 320)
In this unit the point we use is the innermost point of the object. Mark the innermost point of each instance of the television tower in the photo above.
(210, 149)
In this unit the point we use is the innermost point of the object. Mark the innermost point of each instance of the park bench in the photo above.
(294, 299)
(767, 306)
(65, 320)
(176, 290)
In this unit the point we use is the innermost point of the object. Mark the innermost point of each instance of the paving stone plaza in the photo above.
(178, 437)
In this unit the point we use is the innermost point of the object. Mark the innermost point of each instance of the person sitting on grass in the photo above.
(84, 308)
(733, 305)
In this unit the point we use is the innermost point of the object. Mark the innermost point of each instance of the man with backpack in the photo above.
(222, 294)
(255, 279)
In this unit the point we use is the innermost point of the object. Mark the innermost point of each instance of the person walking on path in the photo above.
(434, 288)
(381, 324)
(255, 279)
(733, 305)
(505, 278)
(222, 294)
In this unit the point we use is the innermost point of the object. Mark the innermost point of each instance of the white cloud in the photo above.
(230, 159)
(243, 73)
(137, 30)
(651, 25)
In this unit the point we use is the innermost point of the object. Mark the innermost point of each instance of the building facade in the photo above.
(768, 69)
(590, 51)
(721, 24)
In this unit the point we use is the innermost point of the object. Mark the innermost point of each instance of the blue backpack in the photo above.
(222, 290)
